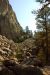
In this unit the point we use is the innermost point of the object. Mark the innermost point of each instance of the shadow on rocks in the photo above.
(6, 71)
(11, 65)
(16, 69)
(32, 71)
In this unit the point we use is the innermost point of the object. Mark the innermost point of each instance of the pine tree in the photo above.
(43, 21)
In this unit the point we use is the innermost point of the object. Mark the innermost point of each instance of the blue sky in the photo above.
(23, 9)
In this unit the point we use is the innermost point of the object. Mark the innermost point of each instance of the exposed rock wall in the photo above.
(9, 25)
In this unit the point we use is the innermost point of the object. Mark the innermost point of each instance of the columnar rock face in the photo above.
(9, 25)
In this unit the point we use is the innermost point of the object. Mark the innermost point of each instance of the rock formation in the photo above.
(7, 49)
(9, 25)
